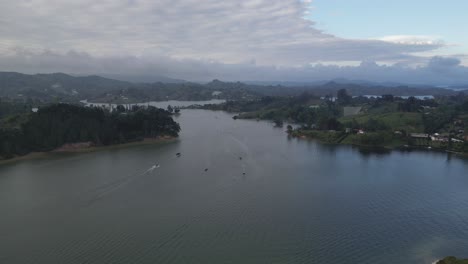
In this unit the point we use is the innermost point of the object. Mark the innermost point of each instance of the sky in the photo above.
(414, 41)
(397, 19)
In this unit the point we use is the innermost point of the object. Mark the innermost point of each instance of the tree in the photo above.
(387, 98)
(55, 125)
(278, 122)
(343, 97)
(120, 108)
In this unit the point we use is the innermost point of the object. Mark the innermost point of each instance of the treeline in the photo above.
(306, 108)
(452, 260)
(59, 87)
(9, 108)
(382, 121)
(55, 125)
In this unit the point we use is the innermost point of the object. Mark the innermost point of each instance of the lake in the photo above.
(241, 192)
(160, 104)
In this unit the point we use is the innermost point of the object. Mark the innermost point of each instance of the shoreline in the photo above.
(87, 148)
(377, 148)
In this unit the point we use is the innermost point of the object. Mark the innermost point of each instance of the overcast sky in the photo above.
(264, 40)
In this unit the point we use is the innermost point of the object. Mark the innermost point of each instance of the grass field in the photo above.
(410, 122)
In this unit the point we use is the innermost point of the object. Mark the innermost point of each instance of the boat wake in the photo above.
(107, 189)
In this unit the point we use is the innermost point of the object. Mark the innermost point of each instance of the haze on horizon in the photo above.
(246, 40)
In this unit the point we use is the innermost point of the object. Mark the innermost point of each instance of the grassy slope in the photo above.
(410, 122)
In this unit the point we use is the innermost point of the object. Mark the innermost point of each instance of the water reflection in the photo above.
(299, 202)
(373, 151)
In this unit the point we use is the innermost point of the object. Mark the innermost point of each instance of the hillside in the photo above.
(55, 125)
(55, 86)
(60, 87)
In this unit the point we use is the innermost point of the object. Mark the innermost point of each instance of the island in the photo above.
(69, 127)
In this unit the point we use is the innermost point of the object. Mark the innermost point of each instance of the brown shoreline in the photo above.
(87, 148)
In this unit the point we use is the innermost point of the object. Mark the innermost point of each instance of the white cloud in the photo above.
(414, 40)
(269, 31)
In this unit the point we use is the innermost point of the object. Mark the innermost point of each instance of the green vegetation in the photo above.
(452, 260)
(58, 124)
(402, 121)
(387, 121)
(59, 87)
(172, 91)
(327, 111)
(8, 108)
(324, 136)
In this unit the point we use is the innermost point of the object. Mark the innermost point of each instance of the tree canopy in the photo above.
(58, 124)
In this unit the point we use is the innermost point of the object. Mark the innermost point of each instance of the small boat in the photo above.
(178, 154)
(157, 166)
(206, 169)
(240, 158)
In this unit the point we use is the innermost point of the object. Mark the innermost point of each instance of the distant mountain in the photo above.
(143, 78)
(55, 85)
(63, 87)
(339, 81)
(459, 88)
(353, 87)
(359, 89)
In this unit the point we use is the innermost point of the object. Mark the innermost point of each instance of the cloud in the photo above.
(202, 40)
(437, 70)
(271, 32)
(443, 62)
(413, 40)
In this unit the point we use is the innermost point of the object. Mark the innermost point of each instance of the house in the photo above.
(458, 122)
(456, 140)
(350, 111)
(419, 135)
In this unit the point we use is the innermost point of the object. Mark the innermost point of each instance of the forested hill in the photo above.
(55, 125)
(59, 87)
(55, 86)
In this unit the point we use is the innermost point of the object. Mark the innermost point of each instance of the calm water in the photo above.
(160, 104)
(298, 202)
